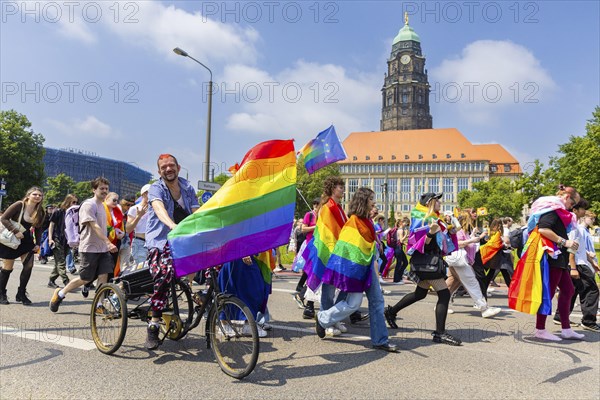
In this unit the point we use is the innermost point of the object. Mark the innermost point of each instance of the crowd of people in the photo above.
(341, 257)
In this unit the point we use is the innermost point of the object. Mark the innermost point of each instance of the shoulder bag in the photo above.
(9, 239)
(428, 266)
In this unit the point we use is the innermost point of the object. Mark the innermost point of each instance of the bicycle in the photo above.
(230, 329)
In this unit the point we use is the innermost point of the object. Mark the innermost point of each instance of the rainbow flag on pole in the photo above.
(349, 267)
(252, 212)
(323, 150)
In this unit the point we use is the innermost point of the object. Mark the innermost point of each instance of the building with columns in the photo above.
(408, 156)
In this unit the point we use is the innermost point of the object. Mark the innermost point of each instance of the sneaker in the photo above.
(74, 271)
(399, 283)
(278, 269)
(299, 300)
(591, 327)
(319, 328)
(226, 330)
(246, 331)
(152, 341)
(261, 332)
(22, 298)
(450, 311)
(52, 284)
(571, 334)
(383, 291)
(308, 313)
(265, 326)
(356, 317)
(381, 280)
(389, 347)
(341, 327)
(490, 312)
(55, 300)
(331, 332)
(446, 338)
(4, 298)
(282, 268)
(390, 317)
(85, 291)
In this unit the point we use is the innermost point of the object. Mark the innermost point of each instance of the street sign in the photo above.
(2, 192)
(206, 196)
(203, 185)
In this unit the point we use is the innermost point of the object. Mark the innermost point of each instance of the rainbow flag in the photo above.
(266, 264)
(251, 213)
(349, 267)
(323, 150)
(330, 221)
(491, 248)
(529, 290)
(419, 227)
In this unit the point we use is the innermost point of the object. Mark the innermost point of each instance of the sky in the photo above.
(101, 76)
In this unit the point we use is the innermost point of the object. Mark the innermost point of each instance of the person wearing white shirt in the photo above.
(137, 219)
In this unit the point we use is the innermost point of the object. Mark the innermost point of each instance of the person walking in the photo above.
(94, 246)
(137, 220)
(58, 241)
(428, 236)
(28, 213)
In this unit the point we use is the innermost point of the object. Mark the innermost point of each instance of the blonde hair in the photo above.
(38, 211)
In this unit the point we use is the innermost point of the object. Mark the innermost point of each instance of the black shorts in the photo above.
(94, 264)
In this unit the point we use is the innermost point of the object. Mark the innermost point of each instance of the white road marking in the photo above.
(49, 337)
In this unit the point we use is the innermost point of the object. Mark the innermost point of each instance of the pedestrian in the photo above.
(115, 228)
(137, 220)
(308, 225)
(352, 268)
(125, 258)
(430, 236)
(29, 213)
(94, 246)
(171, 199)
(58, 241)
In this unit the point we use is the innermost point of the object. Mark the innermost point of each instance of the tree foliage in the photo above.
(579, 165)
(21, 155)
(59, 186)
(498, 195)
(538, 182)
(311, 186)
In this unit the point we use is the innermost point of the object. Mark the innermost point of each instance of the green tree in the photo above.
(537, 182)
(498, 195)
(83, 190)
(311, 186)
(222, 178)
(21, 155)
(392, 216)
(579, 165)
(57, 188)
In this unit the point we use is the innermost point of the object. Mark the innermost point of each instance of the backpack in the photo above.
(516, 238)
(72, 229)
(392, 238)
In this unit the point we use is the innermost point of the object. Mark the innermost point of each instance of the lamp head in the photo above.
(177, 50)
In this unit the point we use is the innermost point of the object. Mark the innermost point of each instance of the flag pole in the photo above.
(306, 202)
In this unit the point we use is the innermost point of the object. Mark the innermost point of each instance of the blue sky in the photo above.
(101, 75)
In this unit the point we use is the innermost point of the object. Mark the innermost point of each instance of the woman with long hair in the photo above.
(29, 213)
(58, 241)
(352, 268)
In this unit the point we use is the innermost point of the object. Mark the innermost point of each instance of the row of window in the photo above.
(412, 167)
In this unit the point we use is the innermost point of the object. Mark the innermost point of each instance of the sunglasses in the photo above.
(115, 200)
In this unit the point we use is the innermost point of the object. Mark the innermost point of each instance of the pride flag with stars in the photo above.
(349, 267)
(252, 212)
(323, 150)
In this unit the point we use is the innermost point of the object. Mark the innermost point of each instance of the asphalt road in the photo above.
(46, 355)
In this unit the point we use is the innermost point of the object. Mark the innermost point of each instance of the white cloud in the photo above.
(161, 28)
(299, 101)
(88, 127)
(76, 30)
(488, 77)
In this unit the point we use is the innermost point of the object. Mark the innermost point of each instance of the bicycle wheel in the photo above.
(180, 323)
(108, 318)
(233, 337)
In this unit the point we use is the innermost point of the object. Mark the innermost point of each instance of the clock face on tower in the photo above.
(405, 59)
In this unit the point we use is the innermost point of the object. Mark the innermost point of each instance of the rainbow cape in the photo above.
(251, 213)
(491, 248)
(330, 221)
(419, 227)
(349, 267)
(529, 290)
(323, 150)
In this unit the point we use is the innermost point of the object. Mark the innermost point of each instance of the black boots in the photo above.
(4, 275)
(22, 297)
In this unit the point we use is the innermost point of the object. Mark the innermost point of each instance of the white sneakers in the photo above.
(341, 327)
(331, 332)
(490, 312)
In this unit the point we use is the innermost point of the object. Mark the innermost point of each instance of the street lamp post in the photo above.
(2, 188)
(183, 53)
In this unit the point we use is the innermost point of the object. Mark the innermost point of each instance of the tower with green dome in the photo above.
(405, 92)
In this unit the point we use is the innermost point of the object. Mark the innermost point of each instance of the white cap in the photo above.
(448, 213)
(145, 188)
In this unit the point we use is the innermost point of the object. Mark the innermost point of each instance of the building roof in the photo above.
(421, 145)
(406, 33)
